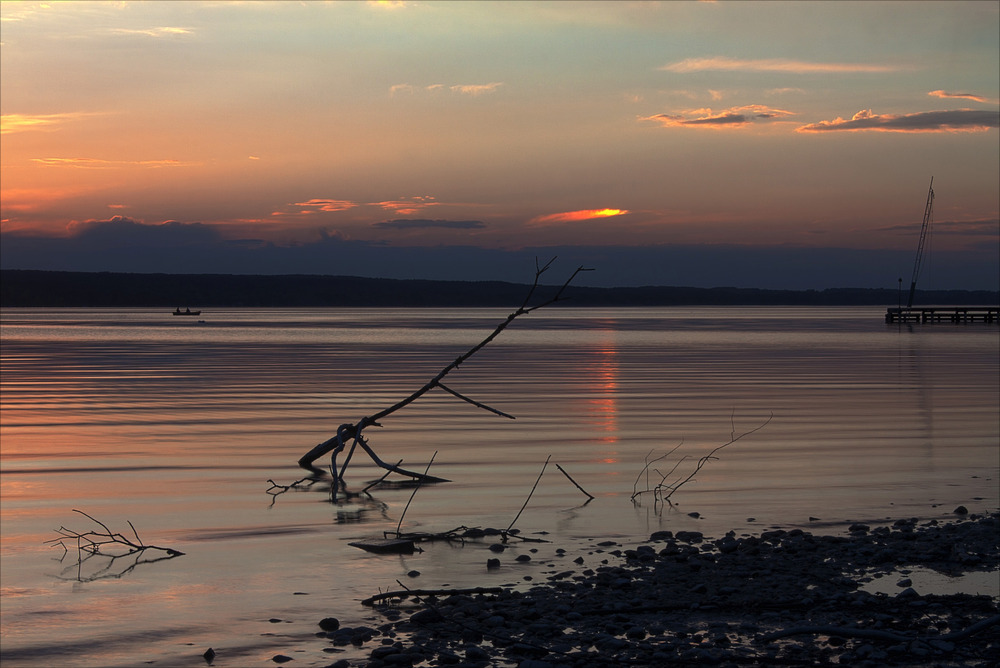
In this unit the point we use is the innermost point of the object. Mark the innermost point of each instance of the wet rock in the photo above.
(689, 536)
(209, 655)
(281, 658)
(476, 653)
(329, 623)
(492, 564)
(961, 510)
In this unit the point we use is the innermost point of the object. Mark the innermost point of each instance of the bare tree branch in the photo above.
(663, 490)
(110, 546)
(352, 433)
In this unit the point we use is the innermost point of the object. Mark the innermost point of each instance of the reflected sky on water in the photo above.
(176, 424)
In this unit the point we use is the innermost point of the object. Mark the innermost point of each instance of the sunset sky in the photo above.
(775, 132)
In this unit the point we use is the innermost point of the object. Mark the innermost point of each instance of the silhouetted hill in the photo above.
(57, 288)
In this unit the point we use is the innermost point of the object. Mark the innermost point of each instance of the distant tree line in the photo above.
(107, 289)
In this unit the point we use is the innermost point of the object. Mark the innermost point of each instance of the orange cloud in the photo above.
(325, 205)
(10, 123)
(769, 65)
(961, 96)
(571, 216)
(97, 163)
(408, 205)
(705, 118)
(958, 120)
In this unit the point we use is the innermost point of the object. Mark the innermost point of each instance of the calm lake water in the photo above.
(176, 424)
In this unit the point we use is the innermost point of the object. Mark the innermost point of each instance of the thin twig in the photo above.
(528, 499)
(419, 481)
(475, 403)
(711, 455)
(376, 482)
(588, 494)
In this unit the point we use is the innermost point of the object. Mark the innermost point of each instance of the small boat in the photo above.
(178, 311)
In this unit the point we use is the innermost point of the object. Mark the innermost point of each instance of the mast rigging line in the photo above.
(928, 213)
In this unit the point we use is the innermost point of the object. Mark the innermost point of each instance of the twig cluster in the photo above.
(120, 554)
(668, 484)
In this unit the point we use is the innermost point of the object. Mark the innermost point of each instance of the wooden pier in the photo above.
(956, 314)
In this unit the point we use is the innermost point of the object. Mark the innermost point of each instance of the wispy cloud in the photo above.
(477, 89)
(404, 206)
(723, 63)
(959, 120)
(408, 205)
(319, 204)
(463, 89)
(161, 31)
(960, 96)
(97, 163)
(706, 118)
(396, 89)
(572, 216)
(419, 224)
(10, 123)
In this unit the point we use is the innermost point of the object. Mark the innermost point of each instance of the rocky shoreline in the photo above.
(780, 597)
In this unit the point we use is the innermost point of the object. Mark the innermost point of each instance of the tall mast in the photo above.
(928, 209)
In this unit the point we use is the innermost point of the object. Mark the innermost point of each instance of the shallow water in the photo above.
(176, 425)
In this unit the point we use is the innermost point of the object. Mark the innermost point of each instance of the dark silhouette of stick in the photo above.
(589, 495)
(419, 482)
(528, 499)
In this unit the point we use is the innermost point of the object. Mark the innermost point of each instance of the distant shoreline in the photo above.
(30, 288)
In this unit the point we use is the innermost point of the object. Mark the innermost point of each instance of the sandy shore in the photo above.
(773, 598)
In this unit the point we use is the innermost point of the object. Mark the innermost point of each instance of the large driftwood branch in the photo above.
(352, 434)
